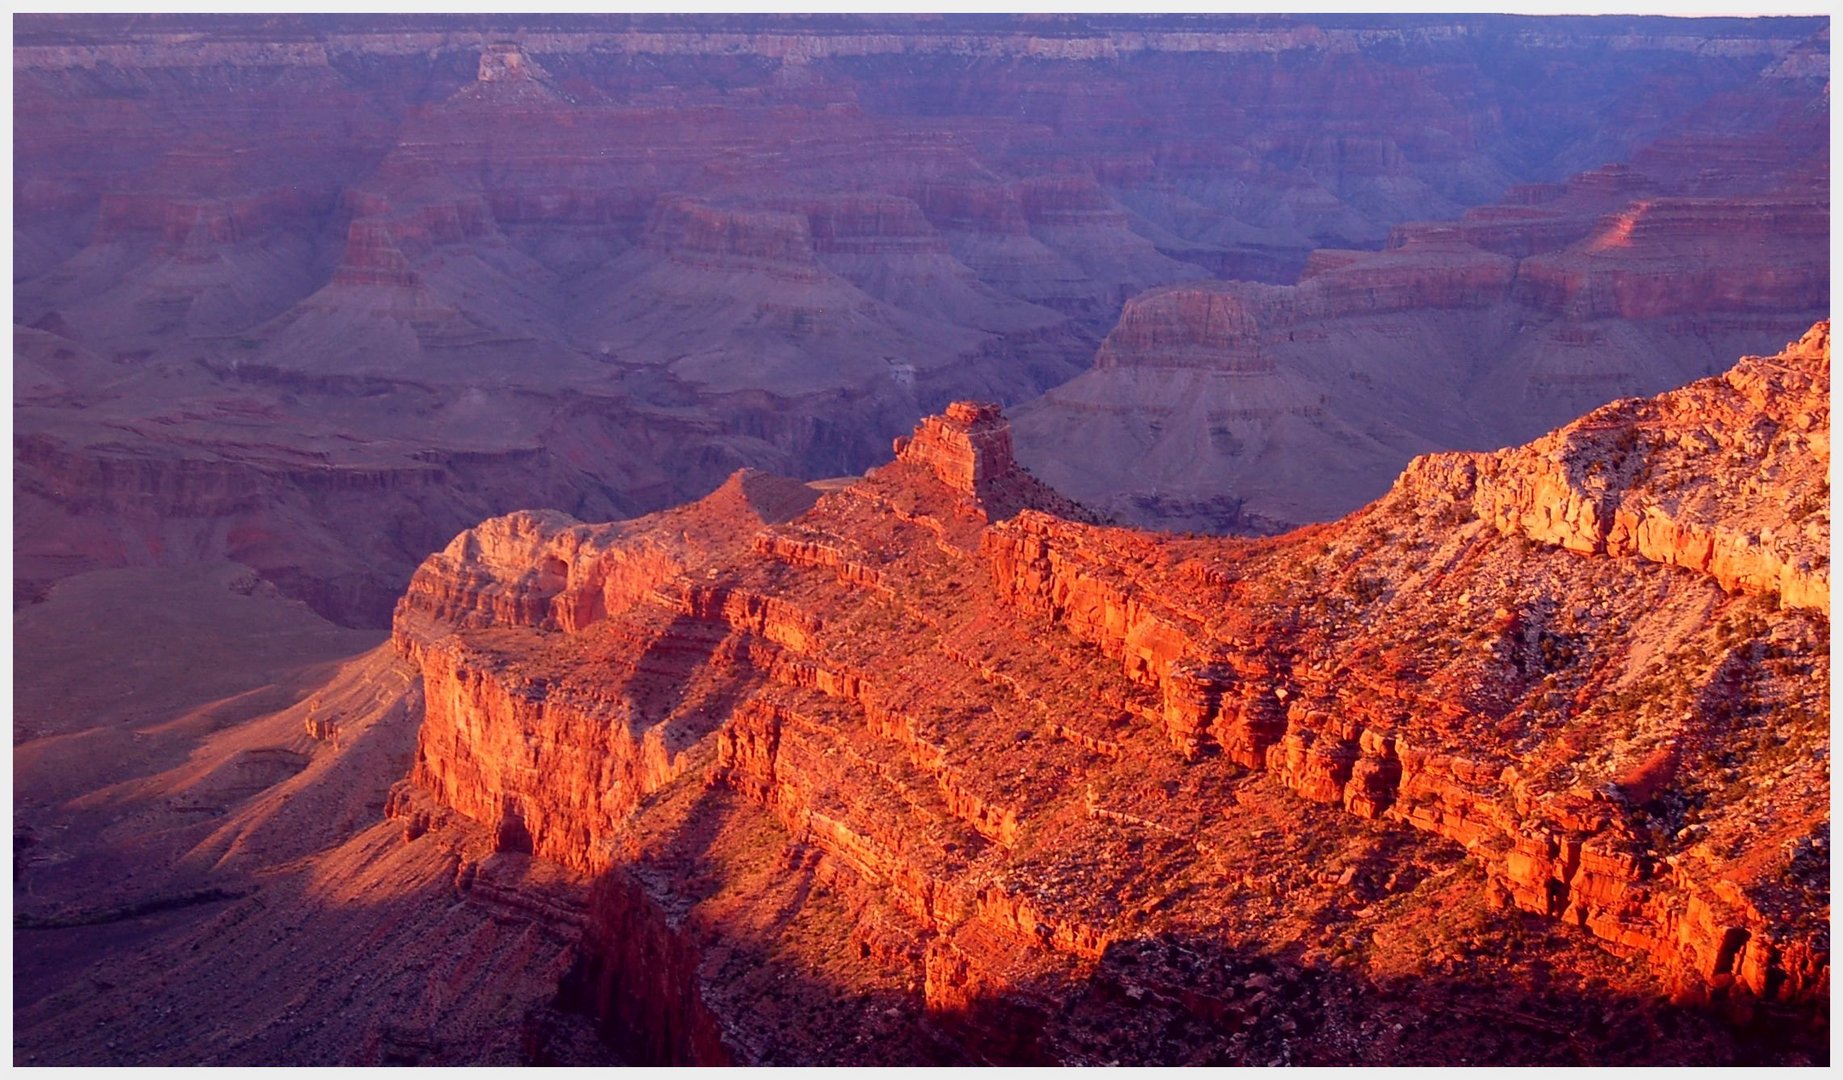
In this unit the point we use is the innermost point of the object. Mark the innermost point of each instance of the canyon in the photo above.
(1526, 761)
(313, 294)
(891, 540)
(1249, 407)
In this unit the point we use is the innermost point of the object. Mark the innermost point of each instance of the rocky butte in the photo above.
(928, 768)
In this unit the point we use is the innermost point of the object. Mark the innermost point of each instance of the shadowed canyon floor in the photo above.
(1525, 762)
(203, 871)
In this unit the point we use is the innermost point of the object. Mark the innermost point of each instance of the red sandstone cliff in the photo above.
(922, 772)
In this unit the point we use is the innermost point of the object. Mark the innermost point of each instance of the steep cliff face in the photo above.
(204, 873)
(535, 755)
(927, 770)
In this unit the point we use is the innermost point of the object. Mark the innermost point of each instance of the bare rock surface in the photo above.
(927, 767)
(914, 776)
(1248, 407)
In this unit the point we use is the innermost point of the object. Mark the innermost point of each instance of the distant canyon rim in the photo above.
(313, 294)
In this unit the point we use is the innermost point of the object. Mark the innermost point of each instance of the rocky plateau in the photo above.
(931, 767)
(1525, 762)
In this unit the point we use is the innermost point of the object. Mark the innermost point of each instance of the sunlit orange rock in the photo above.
(983, 751)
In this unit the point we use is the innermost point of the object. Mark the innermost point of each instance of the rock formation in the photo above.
(929, 769)
(1237, 406)
(1524, 762)
(667, 248)
(1644, 478)
(203, 871)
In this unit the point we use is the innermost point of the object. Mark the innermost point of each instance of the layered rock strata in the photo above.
(924, 770)
(1245, 407)
(1665, 478)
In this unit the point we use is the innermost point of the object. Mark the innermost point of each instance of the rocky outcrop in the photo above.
(1577, 857)
(968, 449)
(1572, 856)
(1658, 479)
(550, 774)
(960, 762)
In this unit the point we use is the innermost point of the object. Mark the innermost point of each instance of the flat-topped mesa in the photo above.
(1427, 266)
(1217, 326)
(1228, 326)
(696, 233)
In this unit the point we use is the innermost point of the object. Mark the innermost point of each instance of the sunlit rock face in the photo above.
(315, 293)
(933, 768)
